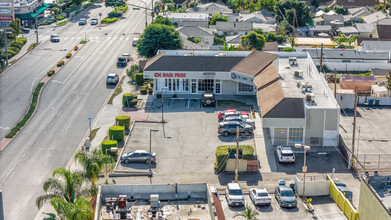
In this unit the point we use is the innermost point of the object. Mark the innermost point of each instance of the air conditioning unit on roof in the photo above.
(298, 73)
(310, 97)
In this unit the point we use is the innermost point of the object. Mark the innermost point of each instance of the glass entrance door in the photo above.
(193, 86)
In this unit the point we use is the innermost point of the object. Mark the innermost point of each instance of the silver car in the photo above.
(112, 78)
(94, 21)
(138, 156)
(241, 120)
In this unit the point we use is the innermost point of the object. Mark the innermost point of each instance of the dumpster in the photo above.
(371, 102)
(292, 185)
(377, 102)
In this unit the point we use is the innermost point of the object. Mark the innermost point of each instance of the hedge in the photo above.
(32, 45)
(123, 120)
(139, 78)
(14, 49)
(108, 20)
(222, 152)
(143, 90)
(29, 113)
(114, 14)
(117, 133)
(150, 90)
(126, 99)
(108, 145)
(68, 55)
(51, 72)
(60, 63)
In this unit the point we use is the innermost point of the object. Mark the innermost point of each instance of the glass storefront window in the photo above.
(205, 85)
(245, 87)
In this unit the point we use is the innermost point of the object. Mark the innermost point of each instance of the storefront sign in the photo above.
(6, 17)
(239, 77)
(5, 5)
(5, 11)
(170, 75)
(209, 74)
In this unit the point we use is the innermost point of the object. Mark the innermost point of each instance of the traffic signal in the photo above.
(123, 4)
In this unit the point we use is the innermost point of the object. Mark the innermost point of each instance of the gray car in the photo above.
(285, 197)
(112, 78)
(241, 119)
(230, 127)
(138, 156)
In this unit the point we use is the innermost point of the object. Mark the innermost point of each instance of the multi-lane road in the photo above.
(60, 122)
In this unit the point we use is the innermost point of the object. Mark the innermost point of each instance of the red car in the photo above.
(220, 116)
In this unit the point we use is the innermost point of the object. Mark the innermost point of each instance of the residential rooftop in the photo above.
(347, 54)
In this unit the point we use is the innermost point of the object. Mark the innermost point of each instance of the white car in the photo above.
(285, 154)
(94, 21)
(241, 119)
(134, 42)
(260, 196)
(234, 195)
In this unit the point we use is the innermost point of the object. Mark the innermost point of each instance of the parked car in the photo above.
(285, 197)
(82, 21)
(234, 114)
(122, 61)
(241, 119)
(25, 30)
(134, 42)
(230, 127)
(234, 195)
(214, 191)
(208, 99)
(127, 56)
(260, 196)
(112, 78)
(94, 21)
(54, 38)
(138, 156)
(220, 116)
(285, 154)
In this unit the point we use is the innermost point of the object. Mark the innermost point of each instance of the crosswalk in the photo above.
(93, 39)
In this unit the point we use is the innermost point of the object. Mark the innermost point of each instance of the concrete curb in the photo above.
(28, 51)
(45, 81)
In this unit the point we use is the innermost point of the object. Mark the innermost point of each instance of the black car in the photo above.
(122, 61)
(208, 99)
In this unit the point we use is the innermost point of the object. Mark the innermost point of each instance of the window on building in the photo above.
(370, 35)
(295, 135)
(185, 85)
(218, 86)
(205, 85)
(245, 87)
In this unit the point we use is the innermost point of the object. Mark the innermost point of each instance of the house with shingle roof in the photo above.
(204, 34)
(233, 28)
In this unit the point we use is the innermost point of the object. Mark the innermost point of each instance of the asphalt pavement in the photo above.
(60, 122)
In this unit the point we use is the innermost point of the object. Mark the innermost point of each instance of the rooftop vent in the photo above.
(221, 55)
(189, 55)
(307, 87)
(310, 97)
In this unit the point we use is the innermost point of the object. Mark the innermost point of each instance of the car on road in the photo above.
(138, 156)
(234, 195)
(122, 61)
(285, 196)
(25, 30)
(112, 78)
(54, 38)
(241, 119)
(94, 21)
(285, 154)
(134, 42)
(128, 56)
(208, 99)
(82, 21)
(260, 196)
(230, 127)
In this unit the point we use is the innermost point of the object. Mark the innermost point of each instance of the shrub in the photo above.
(197, 40)
(151, 84)
(271, 37)
(21, 40)
(68, 55)
(60, 17)
(14, 49)
(117, 133)
(126, 99)
(122, 9)
(108, 20)
(123, 120)
(83, 42)
(150, 90)
(143, 90)
(60, 63)
(14, 44)
(114, 14)
(51, 72)
(71, 9)
(133, 103)
(288, 49)
(11, 52)
(219, 40)
(108, 145)
(280, 39)
(133, 69)
(62, 22)
(31, 46)
(139, 78)
(222, 153)
(159, 96)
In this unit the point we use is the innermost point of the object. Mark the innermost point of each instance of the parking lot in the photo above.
(185, 144)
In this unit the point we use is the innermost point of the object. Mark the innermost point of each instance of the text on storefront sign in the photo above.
(168, 75)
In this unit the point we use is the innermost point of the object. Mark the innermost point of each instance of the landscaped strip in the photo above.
(33, 106)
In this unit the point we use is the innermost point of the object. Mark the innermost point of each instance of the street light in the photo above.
(89, 122)
(150, 151)
(304, 167)
(146, 21)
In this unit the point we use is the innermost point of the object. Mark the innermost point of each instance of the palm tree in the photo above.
(80, 209)
(248, 213)
(69, 186)
(165, 5)
(93, 162)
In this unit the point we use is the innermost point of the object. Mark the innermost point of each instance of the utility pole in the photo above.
(354, 123)
(294, 15)
(237, 155)
(150, 151)
(335, 83)
(36, 25)
(321, 58)
(1, 206)
(5, 46)
(358, 141)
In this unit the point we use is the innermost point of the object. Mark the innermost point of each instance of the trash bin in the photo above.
(370, 102)
(292, 185)
(377, 102)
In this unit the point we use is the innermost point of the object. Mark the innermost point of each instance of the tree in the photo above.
(339, 9)
(281, 28)
(217, 17)
(315, 3)
(93, 162)
(77, 3)
(15, 25)
(80, 209)
(70, 186)
(226, 48)
(380, 7)
(265, 4)
(165, 5)
(289, 8)
(389, 80)
(162, 20)
(254, 40)
(326, 9)
(157, 37)
(248, 213)
(259, 31)
(271, 37)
